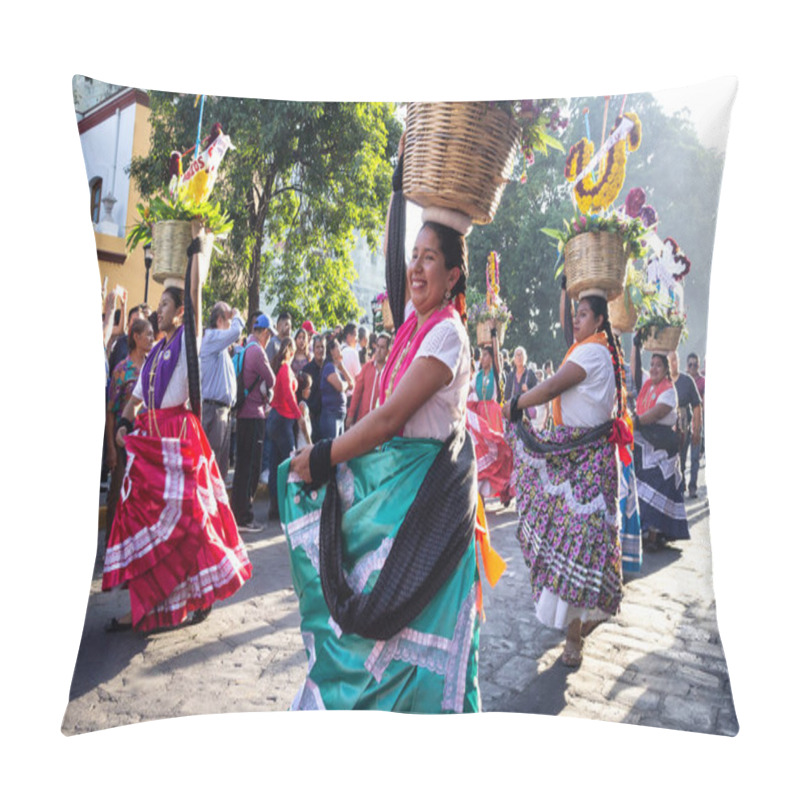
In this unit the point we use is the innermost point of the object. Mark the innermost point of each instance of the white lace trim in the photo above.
(204, 582)
(564, 489)
(367, 564)
(308, 698)
(660, 502)
(438, 654)
(333, 625)
(134, 547)
(651, 457)
(304, 532)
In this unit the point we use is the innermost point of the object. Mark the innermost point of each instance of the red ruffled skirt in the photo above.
(494, 457)
(174, 541)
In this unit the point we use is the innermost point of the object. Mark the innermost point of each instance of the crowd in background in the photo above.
(270, 389)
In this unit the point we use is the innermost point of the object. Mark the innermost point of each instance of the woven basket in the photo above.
(386, 314)
(595, 260)
(483, 333)
(459, 156)
(623, 314)
(170, 240)
(666, 339)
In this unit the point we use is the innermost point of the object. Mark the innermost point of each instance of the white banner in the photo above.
(620, 132)
(208, 160)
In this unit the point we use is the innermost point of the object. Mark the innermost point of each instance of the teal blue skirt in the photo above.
(431, 666)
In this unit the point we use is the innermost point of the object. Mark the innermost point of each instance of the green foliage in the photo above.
(631, 231)
(163, 208)
(302, 180)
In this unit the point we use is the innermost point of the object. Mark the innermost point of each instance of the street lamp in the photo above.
(148, 262)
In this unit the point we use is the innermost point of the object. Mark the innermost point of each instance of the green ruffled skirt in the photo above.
(431, 666)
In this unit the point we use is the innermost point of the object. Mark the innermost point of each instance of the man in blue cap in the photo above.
(258, 380)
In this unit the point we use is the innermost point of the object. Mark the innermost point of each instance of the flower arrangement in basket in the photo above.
(460, 156)
(538, 120)
(637, 294)
(493, 312)
(661, 327)
(595, 246)
(383, 312)
(166, 219)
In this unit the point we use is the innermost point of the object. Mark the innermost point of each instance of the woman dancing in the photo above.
(567, 482)
(174, 542)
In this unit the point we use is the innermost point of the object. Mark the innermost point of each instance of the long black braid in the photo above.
(189, 329)
(396, 249)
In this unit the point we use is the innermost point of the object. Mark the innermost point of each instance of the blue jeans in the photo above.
(280, 431)
(331, 424)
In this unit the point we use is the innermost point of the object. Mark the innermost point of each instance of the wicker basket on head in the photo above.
(386, 315)
(483, 333)
(622, 313)
(171, 238)
(595, 260)
(666, 339)
(459, 156)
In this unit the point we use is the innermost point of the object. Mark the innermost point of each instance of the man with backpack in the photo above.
(219, 379)
(254, 389)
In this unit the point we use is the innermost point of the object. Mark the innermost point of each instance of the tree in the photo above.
(303, 178)
(681, 179)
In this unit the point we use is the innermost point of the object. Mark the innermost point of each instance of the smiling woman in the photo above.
(389, 610)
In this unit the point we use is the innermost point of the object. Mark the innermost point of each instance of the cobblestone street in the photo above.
(659, 663)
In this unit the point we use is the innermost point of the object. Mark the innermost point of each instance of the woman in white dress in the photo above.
(567, 482)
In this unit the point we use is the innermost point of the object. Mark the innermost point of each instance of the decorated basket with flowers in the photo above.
(596, 250)
(166, 221)
(460, 156)
(623, 312)
(386, 320)
(596, 245)
(491, 312)
(661, 327)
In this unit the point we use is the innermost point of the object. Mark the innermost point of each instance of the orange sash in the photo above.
(596, 338)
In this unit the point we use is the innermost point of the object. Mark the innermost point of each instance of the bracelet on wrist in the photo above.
(320, 463)
(516, 412)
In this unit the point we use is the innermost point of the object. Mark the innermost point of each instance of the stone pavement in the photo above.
(659, 663)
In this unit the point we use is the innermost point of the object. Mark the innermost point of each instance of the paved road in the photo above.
(658, 663)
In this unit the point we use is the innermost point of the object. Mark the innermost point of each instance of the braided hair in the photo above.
(599, 307)
(189, 335)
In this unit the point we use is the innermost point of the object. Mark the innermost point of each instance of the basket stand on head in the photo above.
(664, 340)
(595, 260)
(459, 156)
(622, 313)
(483, 333)
(171, 239)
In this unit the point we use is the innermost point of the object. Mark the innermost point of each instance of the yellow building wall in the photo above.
(130, 273)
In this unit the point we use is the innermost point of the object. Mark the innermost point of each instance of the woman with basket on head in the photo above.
(383, 557)
(567, 481)
(657, 455)
(174, 543)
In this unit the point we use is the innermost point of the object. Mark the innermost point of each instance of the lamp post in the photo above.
(148, 262)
